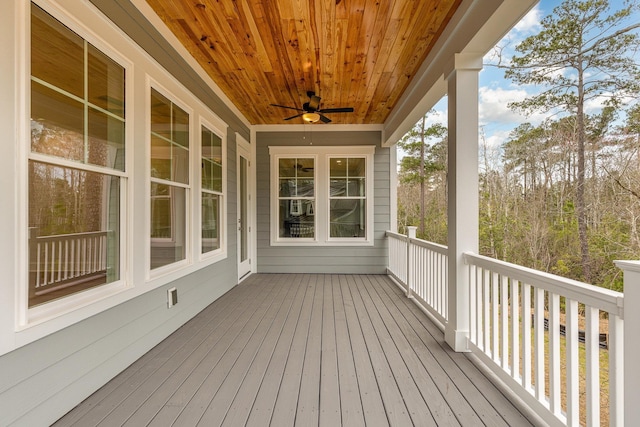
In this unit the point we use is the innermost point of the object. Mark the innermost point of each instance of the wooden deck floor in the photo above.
(304, 350)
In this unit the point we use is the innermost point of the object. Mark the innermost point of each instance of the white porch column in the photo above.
(631, 344)
(462, 78)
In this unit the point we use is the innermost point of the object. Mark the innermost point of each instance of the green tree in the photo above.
(425, 154)
(581, 54)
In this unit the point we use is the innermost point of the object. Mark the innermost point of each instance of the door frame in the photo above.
(246, 150)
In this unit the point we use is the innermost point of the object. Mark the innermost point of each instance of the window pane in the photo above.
(160, 158)
(211, 160)
(160, 115)
(356, 167)
(287, 187)
(287, 167)
(106, 140)
(74, 227)
(211, 146)
(356, 187)
(57, 53)
(207, 174)
(180, 164)
(296, 168)
(169, 140)
(348, 217)
(338, 187)
(299, 174)
(180, 126)
(217, 177)
(338, 167)
(106, 82)
(297, 218)
(210, 223)
(347, 167)
(168, 224)
(57, 124)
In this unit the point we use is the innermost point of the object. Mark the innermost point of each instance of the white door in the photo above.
(244, 207)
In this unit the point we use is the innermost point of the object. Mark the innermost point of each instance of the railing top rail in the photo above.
(396, 235)
(72, 235)
(435, 247)
(594, 296)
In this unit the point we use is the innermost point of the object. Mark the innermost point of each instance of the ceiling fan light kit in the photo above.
(311, 117)
(310, 111)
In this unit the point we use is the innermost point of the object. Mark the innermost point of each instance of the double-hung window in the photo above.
(296, 197)
(76, 163)
(212, 191)
(169, 181)
(323, 195)
(347, 197)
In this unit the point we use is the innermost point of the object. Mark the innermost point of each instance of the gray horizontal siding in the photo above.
(43, 380)
(322, 259)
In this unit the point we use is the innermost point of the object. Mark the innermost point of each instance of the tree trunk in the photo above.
(422, 177)
(580, 203)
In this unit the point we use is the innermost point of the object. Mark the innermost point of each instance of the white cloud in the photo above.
(438, 116)
(497, 138)
(530, 22)
(494, 105)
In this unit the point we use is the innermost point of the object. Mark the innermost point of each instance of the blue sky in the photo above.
(496, 119)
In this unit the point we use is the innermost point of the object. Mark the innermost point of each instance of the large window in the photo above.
(296, 197)
(323, 195)
(76, 162)
(347, 196)
(212, 190)
(169, 181)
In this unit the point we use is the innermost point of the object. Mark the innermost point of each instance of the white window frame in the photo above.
(216, 126)
(188, 187)
(322, 155)
(29, 317)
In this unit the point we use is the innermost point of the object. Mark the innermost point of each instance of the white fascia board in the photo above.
(159, 25)
(474, 29)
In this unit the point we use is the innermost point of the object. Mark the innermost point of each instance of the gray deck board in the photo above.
(301, 350)
(349, 391)
(329, 380)
(389, 389)
(263, 405)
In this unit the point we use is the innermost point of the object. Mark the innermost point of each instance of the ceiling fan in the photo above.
(310, 111)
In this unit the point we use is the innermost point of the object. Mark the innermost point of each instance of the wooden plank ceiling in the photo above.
(351, 53)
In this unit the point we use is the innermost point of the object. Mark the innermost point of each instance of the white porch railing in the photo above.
(539, 333)
(61, 261)
(525, 325)
(421, 267)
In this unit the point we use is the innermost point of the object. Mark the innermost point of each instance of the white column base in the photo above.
(457, 340)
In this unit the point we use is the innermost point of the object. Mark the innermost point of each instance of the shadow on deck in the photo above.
(302, 349)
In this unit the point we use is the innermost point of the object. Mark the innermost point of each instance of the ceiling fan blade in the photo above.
(284, 106)
(325, 119)
(293, 117)
(337, 110)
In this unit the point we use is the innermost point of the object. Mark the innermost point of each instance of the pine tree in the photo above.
(581, 54)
